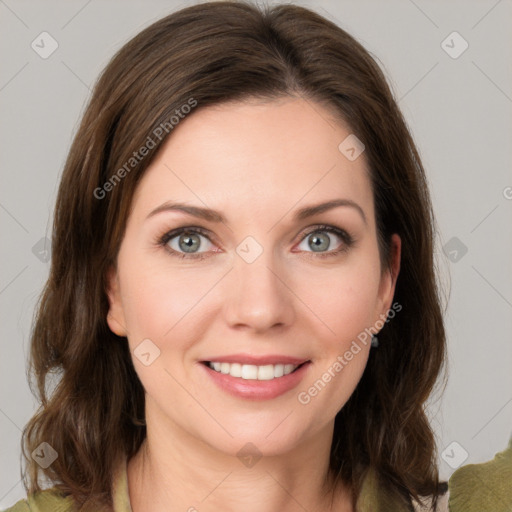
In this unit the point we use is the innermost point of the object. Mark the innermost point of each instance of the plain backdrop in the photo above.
(457, 102)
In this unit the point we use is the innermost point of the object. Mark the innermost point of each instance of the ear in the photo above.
(389, 277)
(115, 316)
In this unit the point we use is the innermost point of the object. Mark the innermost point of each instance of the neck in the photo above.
(175, 471)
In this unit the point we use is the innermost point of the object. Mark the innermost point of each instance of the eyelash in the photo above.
(347, 239)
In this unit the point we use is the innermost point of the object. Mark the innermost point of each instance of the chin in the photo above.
(258, 441)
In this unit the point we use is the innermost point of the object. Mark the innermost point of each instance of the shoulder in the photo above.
(376, 497)
(54, 500)
(483, 487)
(48, 500)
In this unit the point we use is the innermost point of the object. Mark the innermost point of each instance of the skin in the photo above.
(256, 163)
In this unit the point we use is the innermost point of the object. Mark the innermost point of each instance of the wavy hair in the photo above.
(92, 402)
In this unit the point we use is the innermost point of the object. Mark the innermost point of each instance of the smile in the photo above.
(255, 382)
(253, 372)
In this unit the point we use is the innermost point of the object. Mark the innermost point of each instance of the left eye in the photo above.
(188, 242)
(319, 240)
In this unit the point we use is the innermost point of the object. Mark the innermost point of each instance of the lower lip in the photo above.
(257, 389)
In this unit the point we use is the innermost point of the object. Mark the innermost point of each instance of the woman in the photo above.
(242, 307)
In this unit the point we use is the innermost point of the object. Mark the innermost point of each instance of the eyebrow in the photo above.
(215, 216)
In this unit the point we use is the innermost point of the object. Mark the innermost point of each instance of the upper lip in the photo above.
(257, 360)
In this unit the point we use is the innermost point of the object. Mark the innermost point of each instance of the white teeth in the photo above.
(288, 368)
(250, 371)
(235, 370)
(266, 372)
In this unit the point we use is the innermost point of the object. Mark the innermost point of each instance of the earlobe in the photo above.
(115, 326)
(115, 316)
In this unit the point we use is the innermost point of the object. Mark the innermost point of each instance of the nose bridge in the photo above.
(257, 297)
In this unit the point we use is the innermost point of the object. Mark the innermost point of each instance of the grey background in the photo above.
(459, 111)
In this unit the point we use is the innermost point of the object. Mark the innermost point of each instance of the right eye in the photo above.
(185, 242)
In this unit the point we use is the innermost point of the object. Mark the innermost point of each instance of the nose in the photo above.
(257, 297)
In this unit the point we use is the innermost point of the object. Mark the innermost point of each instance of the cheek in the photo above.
(165, 306)
(343, 298)
(157, 298)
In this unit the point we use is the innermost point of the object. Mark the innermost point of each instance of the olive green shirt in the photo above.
(483, 487)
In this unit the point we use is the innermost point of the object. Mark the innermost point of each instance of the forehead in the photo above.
(255, 157)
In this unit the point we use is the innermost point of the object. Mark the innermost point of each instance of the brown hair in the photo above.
(212, 53)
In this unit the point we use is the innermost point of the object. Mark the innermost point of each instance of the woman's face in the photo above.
(263, 279)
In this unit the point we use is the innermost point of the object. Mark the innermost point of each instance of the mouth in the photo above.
(254, 372)
(256, 382)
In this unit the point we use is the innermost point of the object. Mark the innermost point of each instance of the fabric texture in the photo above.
(376, 498)
(485, 487)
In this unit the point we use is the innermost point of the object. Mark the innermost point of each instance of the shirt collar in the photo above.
(120, 494)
